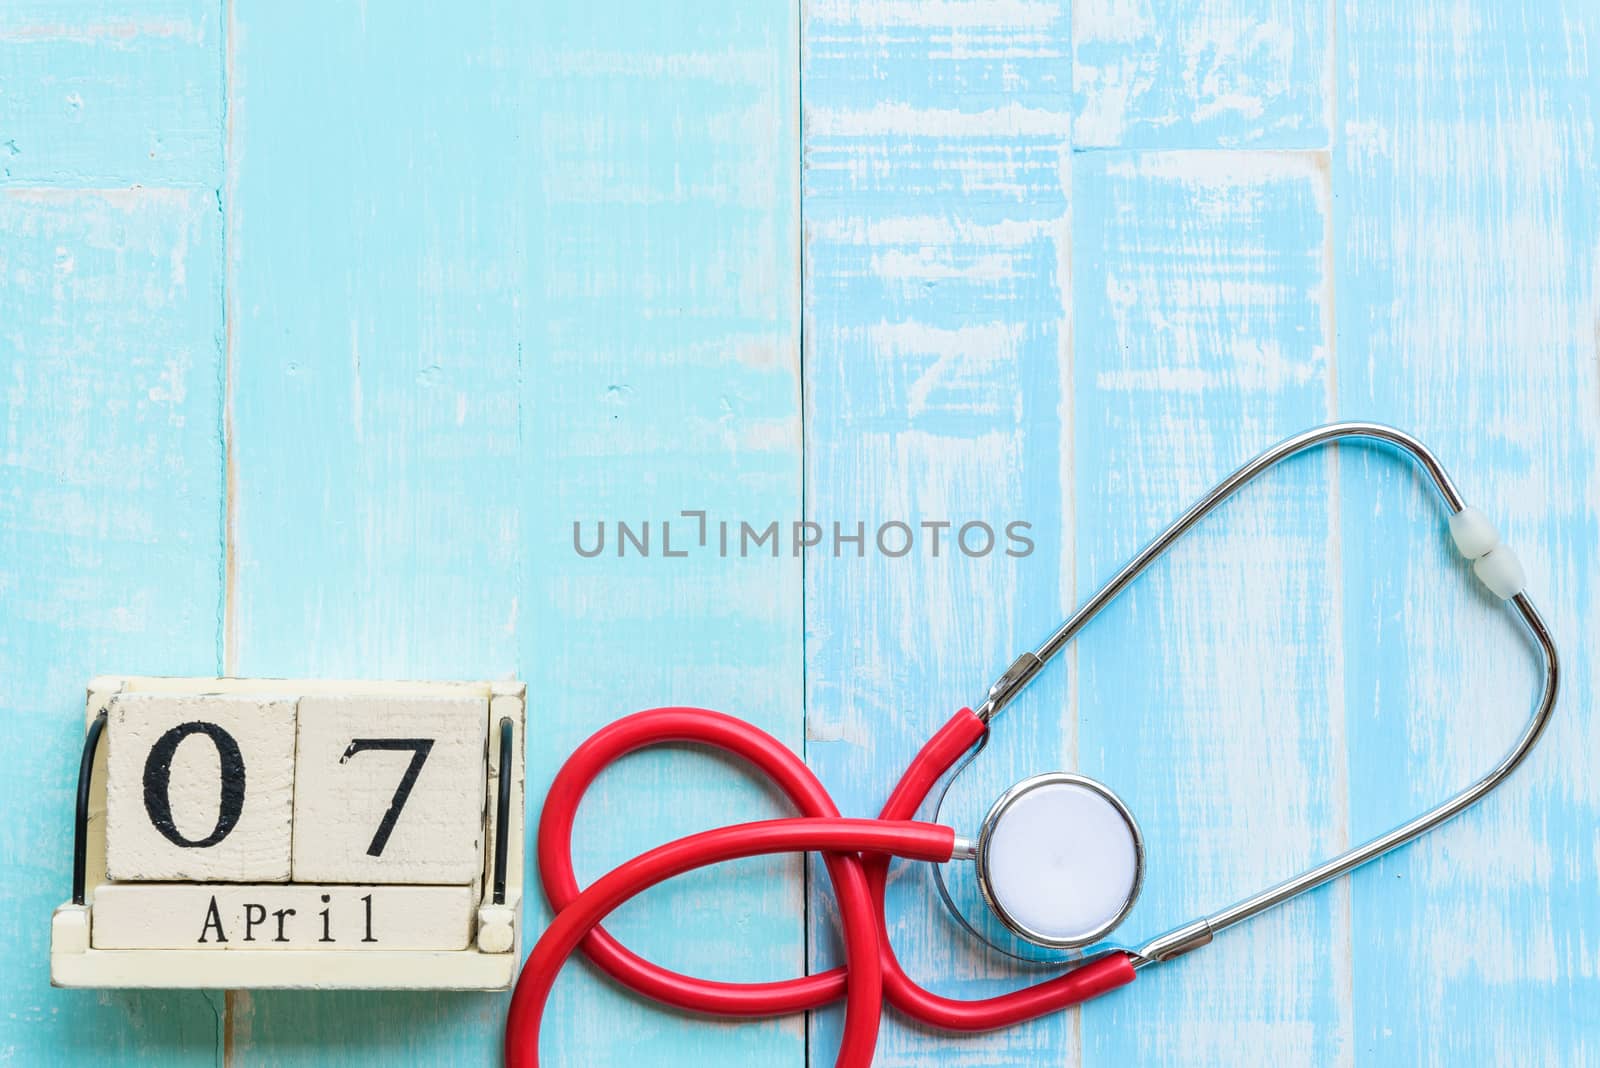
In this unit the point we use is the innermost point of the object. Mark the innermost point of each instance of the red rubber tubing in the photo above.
(915, 841)
(958, 1014)
(874, 972)
(737, 738)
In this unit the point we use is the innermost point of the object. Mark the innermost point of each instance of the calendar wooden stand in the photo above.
(272, 833)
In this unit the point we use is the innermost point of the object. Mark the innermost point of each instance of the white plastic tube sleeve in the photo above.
(1501, 571)
(1496, 566)
(1473, 533)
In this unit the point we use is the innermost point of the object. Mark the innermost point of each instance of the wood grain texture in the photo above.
(111, 492)
(937, 271)
(110, 552)
(1466, 273)
(455, 279)
(1209, 694)
(487, 276)
(1169, 74)
(663, 375)
(374, 363)
(130, 93)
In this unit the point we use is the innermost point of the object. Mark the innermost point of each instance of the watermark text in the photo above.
(694, 532)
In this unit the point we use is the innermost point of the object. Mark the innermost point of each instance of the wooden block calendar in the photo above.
(279, 833)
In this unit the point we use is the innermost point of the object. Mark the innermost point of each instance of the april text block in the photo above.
(278, 916)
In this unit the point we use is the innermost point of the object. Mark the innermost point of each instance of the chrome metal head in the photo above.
(1060, 860)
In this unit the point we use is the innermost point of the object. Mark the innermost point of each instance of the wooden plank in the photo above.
(663, 375)
(936, 256)
(490, 292)
(110, 452)
(131, 94)
(110, 549)
(1202, 73)
(1466, 172)
(1203, 332)
(375, 368)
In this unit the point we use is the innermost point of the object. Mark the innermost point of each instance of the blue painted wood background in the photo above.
(320, 325)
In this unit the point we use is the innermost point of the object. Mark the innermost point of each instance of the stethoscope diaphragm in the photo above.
(1060, 860)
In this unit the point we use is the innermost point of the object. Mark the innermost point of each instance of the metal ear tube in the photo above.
(1475, 537)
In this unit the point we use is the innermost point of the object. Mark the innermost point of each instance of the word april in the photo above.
(261, 924)
(292, 917)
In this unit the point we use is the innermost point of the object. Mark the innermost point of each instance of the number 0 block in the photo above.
(199, 787)
(389, 789)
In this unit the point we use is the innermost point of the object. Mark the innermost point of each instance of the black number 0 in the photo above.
(420, 748)
(158, 783)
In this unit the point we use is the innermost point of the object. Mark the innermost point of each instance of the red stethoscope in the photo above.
(1059, 857)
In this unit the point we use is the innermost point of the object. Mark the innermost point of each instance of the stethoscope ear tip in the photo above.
(1060, 860)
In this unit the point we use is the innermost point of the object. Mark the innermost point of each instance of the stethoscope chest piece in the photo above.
(1060, 860)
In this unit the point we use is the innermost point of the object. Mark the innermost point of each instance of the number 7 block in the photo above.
(389, 789)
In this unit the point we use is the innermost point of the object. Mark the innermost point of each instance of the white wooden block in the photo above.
(274, 916)
(497, 928)
(199, 786)
(390, 789)
(311, 969)
(69, 929)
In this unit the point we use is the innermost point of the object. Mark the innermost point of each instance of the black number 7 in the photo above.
(420, 748)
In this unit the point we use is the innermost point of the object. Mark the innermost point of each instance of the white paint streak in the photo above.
(926, 264)
(1214, 167)
(905, 120)
(1221, 73)
(967, 353)
(1013, 15)
(1247, 363)
(1112, 21)
(121, 31)
(130, 199)
(724, 66)
(357, 407)
(930, 230)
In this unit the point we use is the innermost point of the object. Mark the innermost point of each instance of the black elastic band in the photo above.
(80, 831)
(502, 817)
